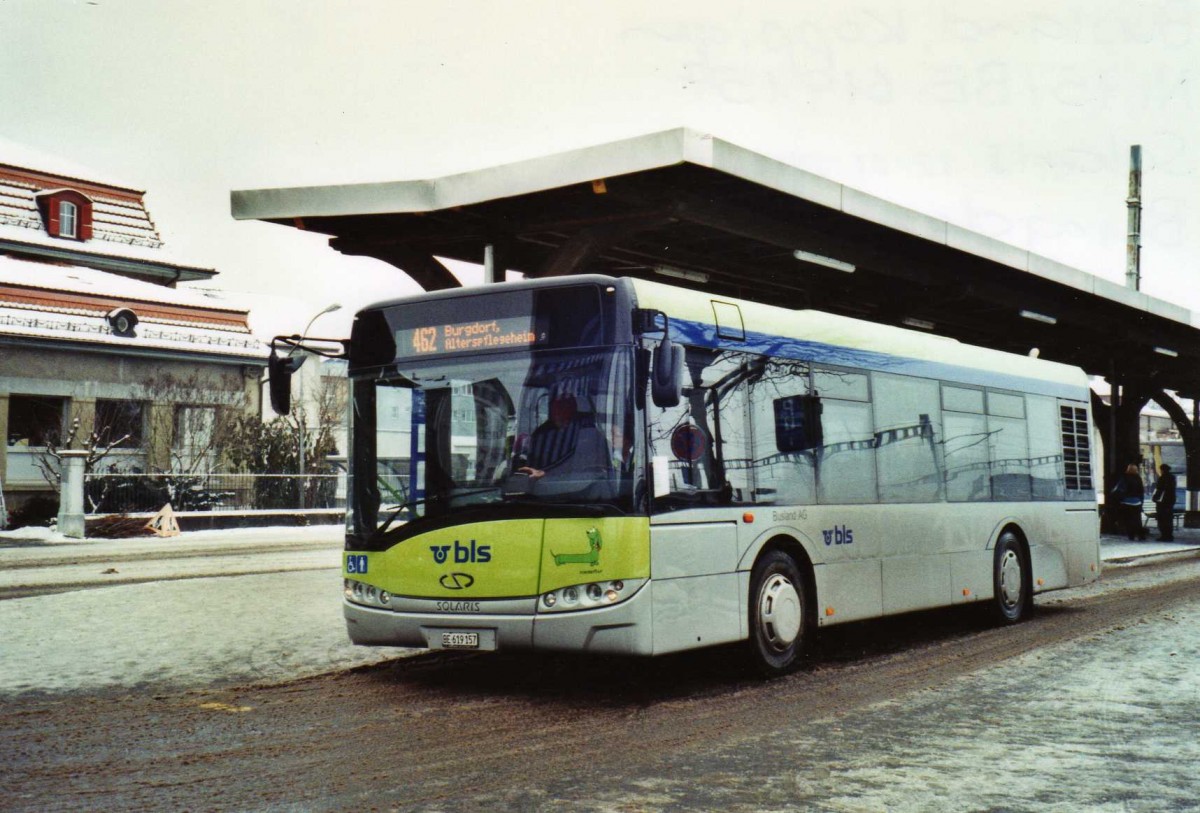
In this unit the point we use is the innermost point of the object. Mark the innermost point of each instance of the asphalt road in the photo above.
(1092, 705)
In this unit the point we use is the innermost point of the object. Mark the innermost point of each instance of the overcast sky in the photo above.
(1012, 118)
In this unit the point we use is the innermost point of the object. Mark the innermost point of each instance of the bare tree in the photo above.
(50, 461)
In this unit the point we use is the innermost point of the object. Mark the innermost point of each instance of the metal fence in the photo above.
(140, 493)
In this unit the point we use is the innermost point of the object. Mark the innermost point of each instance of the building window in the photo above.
(34, 420)
(67, 217)
(120, 423)
(195, 438)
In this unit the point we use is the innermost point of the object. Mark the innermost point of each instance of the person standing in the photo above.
(1164, 503)
(1131, 493)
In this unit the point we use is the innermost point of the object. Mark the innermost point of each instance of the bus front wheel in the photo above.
(778, 614)
(1011, 581)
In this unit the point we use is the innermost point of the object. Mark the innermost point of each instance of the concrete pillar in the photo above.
(70, 499)
(1192, 448)
(495, 263)
(3, 437)
(1119, 430)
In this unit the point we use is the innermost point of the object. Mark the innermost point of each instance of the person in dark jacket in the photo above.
(1130, 494)
(1164, 503)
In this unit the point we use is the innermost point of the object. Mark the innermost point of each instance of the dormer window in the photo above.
(66, 213)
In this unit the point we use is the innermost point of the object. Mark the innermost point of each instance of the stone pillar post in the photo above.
(70, 499)
(3, 437)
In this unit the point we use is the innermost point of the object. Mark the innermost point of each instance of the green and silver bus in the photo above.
(614, 465)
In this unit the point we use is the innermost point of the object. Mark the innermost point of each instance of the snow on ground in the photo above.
(1092, 726)
(187, 631)
(1105, 723)
(48, 536)
(33, 533)
(179, 634)
(103, 572)
(196, 632)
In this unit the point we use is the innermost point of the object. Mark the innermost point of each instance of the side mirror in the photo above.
(279, 379)
(666, 377)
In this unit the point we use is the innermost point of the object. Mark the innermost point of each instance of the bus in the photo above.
(616, 465)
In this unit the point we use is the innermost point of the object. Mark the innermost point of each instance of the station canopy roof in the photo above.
(687, 207)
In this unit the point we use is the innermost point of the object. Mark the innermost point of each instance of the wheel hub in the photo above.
(781, 613)
(1010, 578)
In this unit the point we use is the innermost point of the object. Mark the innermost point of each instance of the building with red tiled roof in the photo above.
(96, 337)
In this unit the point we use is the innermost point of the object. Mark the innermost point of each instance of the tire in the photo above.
(780, 620)
(1011, 595)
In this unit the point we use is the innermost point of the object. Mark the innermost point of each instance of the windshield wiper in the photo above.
(411, 504)
(407, 506)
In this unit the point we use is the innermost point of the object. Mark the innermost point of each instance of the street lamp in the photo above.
(336, 306)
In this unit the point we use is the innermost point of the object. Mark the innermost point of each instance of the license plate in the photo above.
(460, 640)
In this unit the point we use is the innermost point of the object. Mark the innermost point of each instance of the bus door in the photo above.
(702, 452)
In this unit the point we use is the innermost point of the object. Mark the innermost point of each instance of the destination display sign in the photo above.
(507, 333)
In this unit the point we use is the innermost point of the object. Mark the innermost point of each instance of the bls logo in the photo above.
(475, 554)
(840, 535)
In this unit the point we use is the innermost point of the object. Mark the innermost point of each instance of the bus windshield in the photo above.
(469, 438)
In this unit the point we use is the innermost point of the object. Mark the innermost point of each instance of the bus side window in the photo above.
(908, 437)
(786, 422)
(846, 459)
(1045, 447)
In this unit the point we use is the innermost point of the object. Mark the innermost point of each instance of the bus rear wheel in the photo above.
(1011, 580)
(779, 622)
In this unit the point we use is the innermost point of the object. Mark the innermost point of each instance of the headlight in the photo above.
(366, 594)
(589, 596)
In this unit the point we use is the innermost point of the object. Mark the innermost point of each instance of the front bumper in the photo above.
(623, 628)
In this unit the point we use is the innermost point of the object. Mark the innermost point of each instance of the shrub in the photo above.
(34, 512)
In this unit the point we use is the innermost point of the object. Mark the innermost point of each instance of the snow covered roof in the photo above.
(75, 279)
(123, 233)
(190, 340)
(22, 156)
(41, 302)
